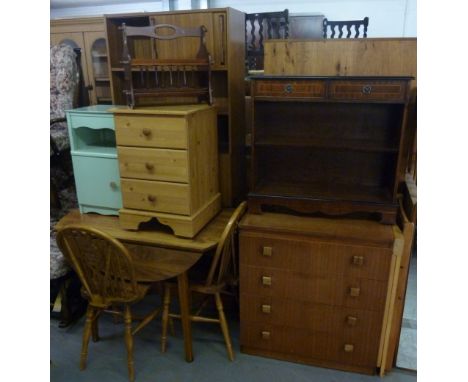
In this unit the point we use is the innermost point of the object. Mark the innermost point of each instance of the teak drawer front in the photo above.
(290, 89)
(334, 320)
(151, 131)
(368, 90)
(314, 257)
(155, 196)
(332, 290)
(305, 343)
(153, 164)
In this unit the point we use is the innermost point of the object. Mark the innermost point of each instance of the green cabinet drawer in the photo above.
(97, 182)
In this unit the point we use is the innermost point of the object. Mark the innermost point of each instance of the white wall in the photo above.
(387, 18)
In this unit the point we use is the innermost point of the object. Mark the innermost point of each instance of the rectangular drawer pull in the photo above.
(354, 292)
(266, 335)
(267, 251)
(358, 260)
(266, 280)
(266, 309)
(348, 348)
(351, 321)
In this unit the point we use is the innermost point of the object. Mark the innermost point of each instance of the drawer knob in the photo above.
(149, 166)
(146, 132)
(151, 198)
(366, 89)
(351, 321)
(288, 88)
(358, 260)
(266, 309)
(113, 185)
(266, 280)
(266, 335)
(348, 348)
(354, 292)
(267, 251)
(127, 124)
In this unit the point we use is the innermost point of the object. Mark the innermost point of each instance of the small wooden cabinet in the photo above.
(168, 160)
(317, 290)
(89, 35)
(94, 157)
(328, 144)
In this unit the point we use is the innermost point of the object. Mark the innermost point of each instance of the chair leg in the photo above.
(224, 326)
(95, 327)
(86, 335)
(165, 316)
(129, 342)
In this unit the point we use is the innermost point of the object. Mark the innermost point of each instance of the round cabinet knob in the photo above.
(288, 88)
(349, 348)
(146, 132)
(113, 185)
(151, 198)
(149, 166)
(366, 89)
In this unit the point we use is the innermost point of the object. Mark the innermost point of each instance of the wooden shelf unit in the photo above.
(327, 144)
(225, 42)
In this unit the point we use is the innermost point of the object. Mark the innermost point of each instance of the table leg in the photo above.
(184, 300)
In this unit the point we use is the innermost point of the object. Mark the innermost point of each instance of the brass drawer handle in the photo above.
(358, 260)
(348, 348)
(113, 185)
(146, 132)
(151, 198)
(366, 89)
(288, 88)
(266, 280)
(266, 309)
(266, 335)
(149, 166)
(267, 251)
(351, 321)
(354, 292)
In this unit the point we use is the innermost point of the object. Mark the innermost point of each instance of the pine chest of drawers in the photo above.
(168, 161)
(94, 156)
(317, 291)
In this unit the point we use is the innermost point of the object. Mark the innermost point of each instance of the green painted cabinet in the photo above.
(94, 156)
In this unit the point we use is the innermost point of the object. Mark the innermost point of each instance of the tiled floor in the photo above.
(107, 358)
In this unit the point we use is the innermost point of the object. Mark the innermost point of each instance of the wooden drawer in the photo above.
(334, 320)
(290, 89)
(332, 290)
(314, 257)
(394, 91)
(151, 131)
(156, 196)
(92, 121)
(153, 164)
(309, 344)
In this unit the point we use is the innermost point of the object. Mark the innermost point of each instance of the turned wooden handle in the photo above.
(113, 185)
(266, 335)
(267, 251)
(266, 309)
(354, 292)
(151, 198)
(146, 132)
(149, 166)
(351, 321)
(348, 348)
(358, 260)
(266, 280)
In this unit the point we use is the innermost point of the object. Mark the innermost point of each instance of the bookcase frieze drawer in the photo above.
(333, 290)
(315, 257)
(369, 90)
(290, 89)
(153, 164)
(330, 319)
(151, 131)
(155, 196)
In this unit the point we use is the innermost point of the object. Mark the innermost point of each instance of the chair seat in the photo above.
(102, 303)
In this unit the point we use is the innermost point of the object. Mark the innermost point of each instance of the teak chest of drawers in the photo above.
(168, 163)
(332, 145)
(316, 290)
